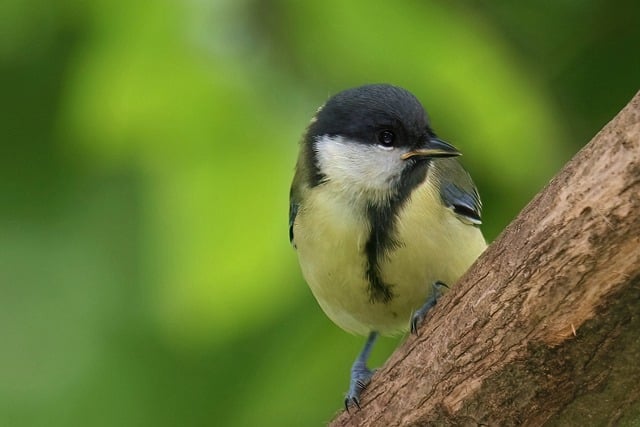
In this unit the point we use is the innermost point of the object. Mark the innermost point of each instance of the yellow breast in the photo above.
(330, 236)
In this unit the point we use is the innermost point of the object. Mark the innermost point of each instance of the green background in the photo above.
(146, 152)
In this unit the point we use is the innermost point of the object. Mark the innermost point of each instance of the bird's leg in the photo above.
(360, 374)
(418, 315)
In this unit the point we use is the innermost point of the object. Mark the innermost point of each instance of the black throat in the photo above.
(383, 221)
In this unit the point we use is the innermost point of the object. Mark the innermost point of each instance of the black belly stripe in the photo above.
(382, 238)
(380, 242)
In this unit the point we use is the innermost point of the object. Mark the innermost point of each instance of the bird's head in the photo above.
(372, 140)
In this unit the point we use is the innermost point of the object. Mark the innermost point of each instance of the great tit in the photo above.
(382, 215)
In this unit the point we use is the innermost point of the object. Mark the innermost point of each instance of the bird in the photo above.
(382, 216)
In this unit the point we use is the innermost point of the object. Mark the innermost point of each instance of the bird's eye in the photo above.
(386, 138)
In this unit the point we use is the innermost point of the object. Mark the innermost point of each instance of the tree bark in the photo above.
(545, 327)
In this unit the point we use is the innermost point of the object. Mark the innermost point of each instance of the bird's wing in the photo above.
(458, 191)
(293, 211)
(295, 198)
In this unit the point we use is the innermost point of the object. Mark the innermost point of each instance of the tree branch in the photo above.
(545, 326)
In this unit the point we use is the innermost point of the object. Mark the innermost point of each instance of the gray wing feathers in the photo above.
(293, 211)
(458, 191)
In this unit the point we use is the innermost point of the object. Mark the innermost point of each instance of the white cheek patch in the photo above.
(360, 168)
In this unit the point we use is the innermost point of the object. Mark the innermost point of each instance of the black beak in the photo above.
(434, 148)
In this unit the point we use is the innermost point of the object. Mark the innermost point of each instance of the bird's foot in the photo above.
(360, 379)
(418, 315)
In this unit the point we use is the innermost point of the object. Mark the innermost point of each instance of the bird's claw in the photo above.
(416, 320)
(351, 401)
(360, 379)
(419, 315)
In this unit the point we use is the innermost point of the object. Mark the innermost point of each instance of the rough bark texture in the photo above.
(545, 327)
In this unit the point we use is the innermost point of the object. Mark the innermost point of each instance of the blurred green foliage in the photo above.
(147, 150)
